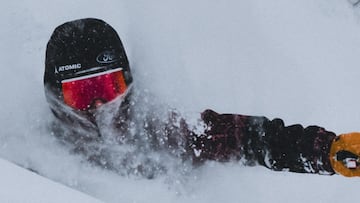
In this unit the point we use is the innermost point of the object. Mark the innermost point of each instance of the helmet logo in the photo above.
(67, 67)
(106, 57)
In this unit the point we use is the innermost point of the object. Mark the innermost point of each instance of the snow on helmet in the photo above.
(345, 154)
(86, 64)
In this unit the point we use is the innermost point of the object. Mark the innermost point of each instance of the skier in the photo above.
(87, 73)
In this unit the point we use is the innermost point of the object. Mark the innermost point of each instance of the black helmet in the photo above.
(79, 53)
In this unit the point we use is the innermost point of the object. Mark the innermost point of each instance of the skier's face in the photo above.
(92, 91)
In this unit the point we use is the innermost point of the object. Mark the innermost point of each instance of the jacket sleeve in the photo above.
(258, 140)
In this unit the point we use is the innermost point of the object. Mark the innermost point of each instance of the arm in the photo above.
(267, 142)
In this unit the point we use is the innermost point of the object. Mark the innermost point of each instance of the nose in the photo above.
(97, 103)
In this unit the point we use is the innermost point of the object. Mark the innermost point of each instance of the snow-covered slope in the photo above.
(20, 185)
(297, 60)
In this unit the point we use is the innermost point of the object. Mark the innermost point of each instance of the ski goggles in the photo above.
(91, 91)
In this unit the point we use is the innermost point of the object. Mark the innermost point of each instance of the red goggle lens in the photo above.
(86, 92)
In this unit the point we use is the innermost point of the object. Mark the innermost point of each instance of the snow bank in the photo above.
(20, 185)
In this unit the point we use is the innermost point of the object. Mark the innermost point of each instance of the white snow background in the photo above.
(297, 60)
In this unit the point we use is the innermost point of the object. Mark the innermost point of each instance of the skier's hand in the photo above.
(345, 154)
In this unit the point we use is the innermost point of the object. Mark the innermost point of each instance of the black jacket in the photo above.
(152, 129)
(267, 142)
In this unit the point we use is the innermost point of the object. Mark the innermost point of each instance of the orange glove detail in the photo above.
(345, 154)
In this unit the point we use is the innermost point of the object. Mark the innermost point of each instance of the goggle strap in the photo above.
(91, 75)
